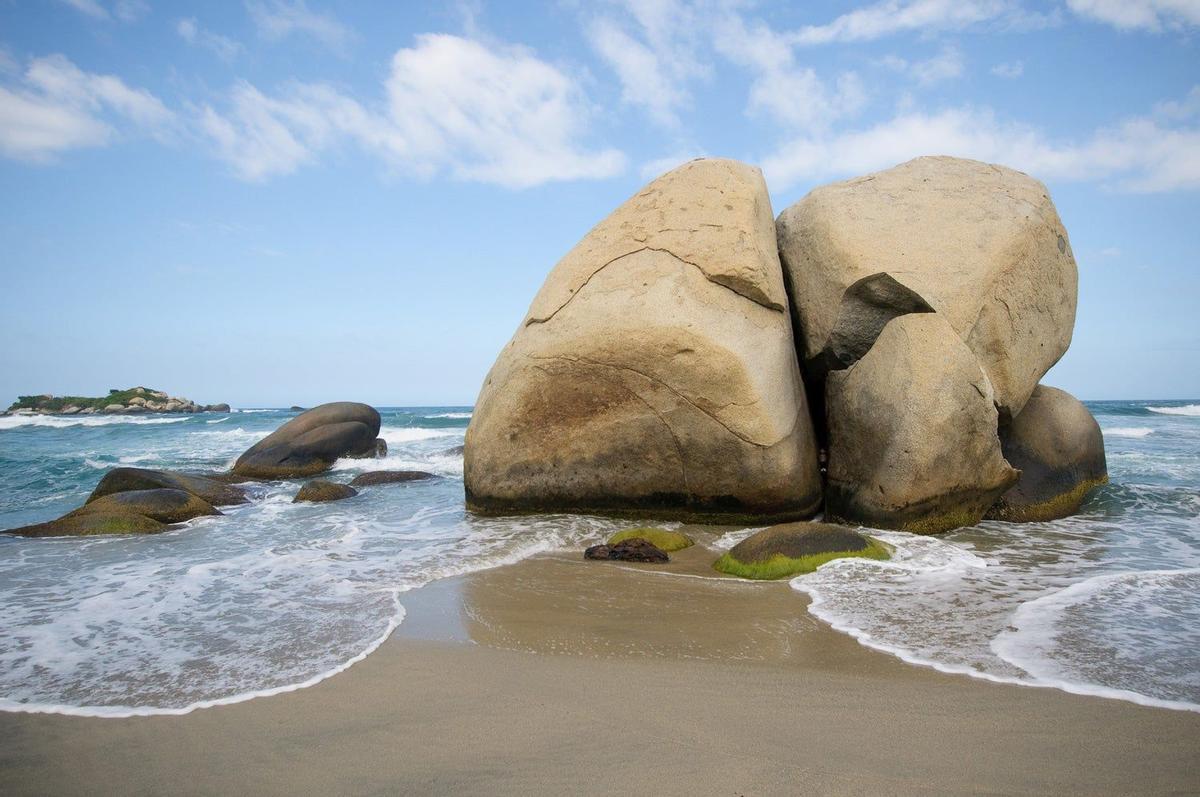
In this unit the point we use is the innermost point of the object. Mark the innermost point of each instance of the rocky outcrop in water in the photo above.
(374, 477)
(1059, 449)
(119, 480)
(312, 441)
(793, 548)
(320, 491)
(655, 371)
(131, 401)
(632, 550)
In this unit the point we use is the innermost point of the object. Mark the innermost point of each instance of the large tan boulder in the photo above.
(655, 372)
(982, 245)
(1059, 449)
(912, 433)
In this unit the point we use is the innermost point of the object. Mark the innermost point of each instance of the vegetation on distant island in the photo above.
(662, 539)
(783, 566)
(59, 403)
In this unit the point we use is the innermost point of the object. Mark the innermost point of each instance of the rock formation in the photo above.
(981, 245)
(132, 400)
(793, 548)
(373, 477)
(912, 432)
(655, 372)
(312, 441)
(319, 491)
(1059, 449)
(119, 480)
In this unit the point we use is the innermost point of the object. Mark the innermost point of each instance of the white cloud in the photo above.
(946, 65)
(496, 115)
(55, 106)
(892, 16)
(192, 32)
(1009, 69)
(1151, 15)
(124, 10)
(655, 60)
(1141, 154)
(279, 19)
(787, 92)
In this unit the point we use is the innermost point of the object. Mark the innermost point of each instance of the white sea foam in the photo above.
(1127, 431)
(398, 435)
(1186, 409)
(63, 421)
(449, 415)
(220, 420)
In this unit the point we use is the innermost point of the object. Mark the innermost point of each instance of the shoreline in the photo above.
(557, 675)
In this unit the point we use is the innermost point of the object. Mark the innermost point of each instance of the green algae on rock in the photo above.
(663, 539)
(792, 549)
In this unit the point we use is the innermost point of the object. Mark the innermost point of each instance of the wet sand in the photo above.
(557, 676)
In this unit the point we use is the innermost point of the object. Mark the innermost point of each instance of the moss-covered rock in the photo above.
(795, 548)
(1059, 449)
(389, 477)
(84, 524)
(319, 490)
(120, 480)
(162, 504)
(662, 539)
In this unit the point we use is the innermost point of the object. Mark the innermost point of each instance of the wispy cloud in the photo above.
(487, 114)
(892, 17)
(280, 19)
(1009, 69)
(192, 32)
(946, 65)
(1149, 15)
(653, 50)
(123, 10)
(1141, 154)
(55, 106)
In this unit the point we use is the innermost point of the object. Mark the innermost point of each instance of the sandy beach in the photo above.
(559, 676)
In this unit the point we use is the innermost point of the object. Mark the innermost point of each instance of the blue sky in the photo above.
(278, 202)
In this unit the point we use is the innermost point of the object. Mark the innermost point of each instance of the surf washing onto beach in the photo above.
(279, 596)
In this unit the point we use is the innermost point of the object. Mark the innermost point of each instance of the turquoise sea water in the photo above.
(275, 596)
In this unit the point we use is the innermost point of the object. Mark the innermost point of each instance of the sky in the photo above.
(279, 202)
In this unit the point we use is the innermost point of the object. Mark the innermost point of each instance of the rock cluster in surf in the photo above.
(690, 359)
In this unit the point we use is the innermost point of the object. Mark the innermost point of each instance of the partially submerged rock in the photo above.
(161, 504)
(912, 433)
(311, 442)
(794, 548)
(119, 480)
(663, 539)
(373, 477)
(319, 491)
(1059, 449)
(85, 524)
(655, 371)
(981, 245)
(632, 550)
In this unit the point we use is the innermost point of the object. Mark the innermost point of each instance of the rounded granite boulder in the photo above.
(312, 441)
(663, 539)
(161, 504)
(373, 477)
(795, 548)
(1059, 449)
(86, 524)
(120, 480)
(320, 491)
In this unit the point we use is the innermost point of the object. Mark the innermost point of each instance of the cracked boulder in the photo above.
(912, 433)
(981, 245)
(1059, 449)
(655, 372)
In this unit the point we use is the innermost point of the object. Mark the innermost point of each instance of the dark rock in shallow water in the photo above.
(217, 408)
(1059, 449)
(378, 452)
(86, 524)
(456, 451)
(296, 408)
(162, 504)
(389, 477)
(319, 490)
(632, 550)
(311, 442)
(793, 548)
(119, 480)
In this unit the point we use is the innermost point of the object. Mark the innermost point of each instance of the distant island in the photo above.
(132, 400)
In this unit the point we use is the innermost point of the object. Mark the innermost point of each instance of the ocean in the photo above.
(277, 596)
